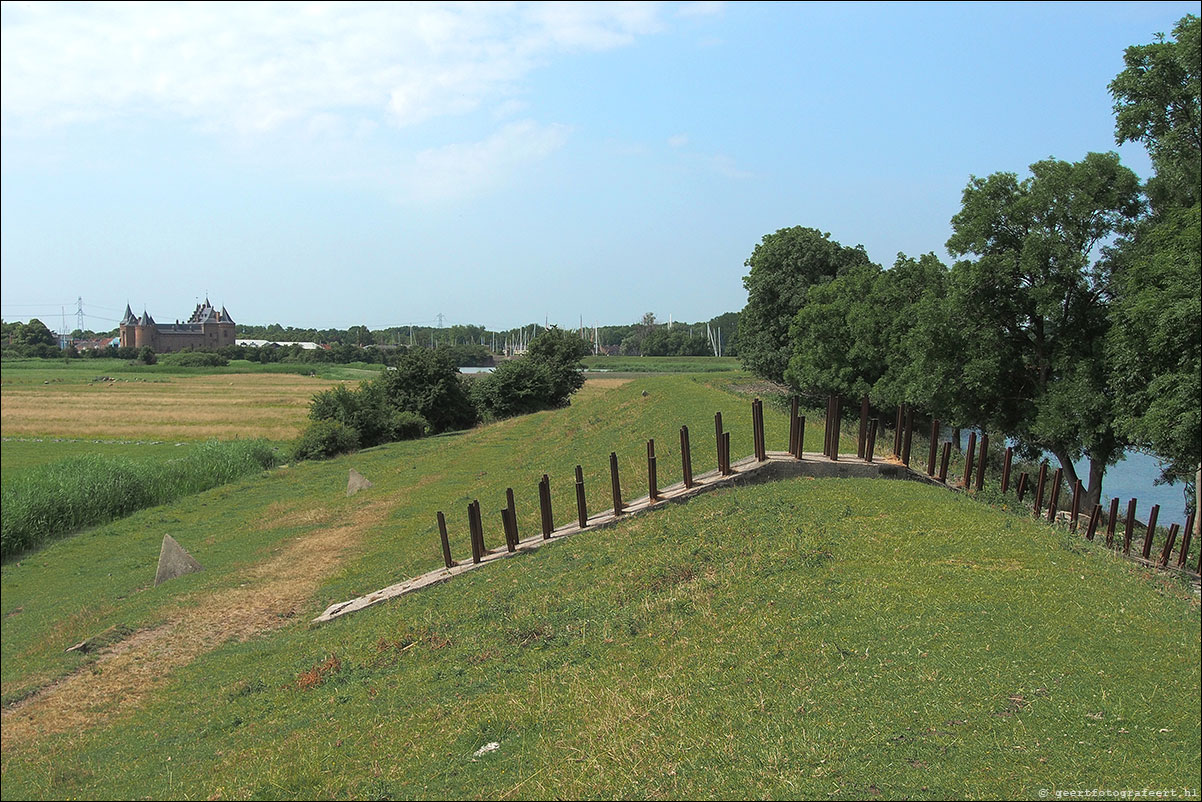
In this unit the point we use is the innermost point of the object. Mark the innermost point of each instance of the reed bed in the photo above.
(54, 500)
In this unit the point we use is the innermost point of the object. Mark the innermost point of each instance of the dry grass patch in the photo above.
(274, 406)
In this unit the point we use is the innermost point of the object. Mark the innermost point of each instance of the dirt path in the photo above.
(126, 673)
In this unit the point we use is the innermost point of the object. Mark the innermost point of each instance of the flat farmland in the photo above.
(161, 407)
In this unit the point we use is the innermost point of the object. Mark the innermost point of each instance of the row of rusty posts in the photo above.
(973, 459)
(509, 515)
(1111, 517)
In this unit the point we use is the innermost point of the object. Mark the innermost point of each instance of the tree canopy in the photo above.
(1156, 101)
(783, 268)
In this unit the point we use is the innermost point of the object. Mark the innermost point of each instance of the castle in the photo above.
(206, 330)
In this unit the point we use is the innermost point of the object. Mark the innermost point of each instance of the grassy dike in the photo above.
(809, 638)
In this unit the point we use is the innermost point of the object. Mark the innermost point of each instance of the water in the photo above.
(1133, 477)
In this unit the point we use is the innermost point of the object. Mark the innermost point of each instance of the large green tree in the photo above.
(1156, 342)
(783, 268)
(1034, 310)
(1156, 102)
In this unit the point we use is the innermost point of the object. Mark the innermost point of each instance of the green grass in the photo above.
(803, 639)
(661, 364)
(81, 371)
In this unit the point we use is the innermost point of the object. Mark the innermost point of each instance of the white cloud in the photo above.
(700, 9)
(456, 171)
(678, 141)
(257, 67)
(724, 165)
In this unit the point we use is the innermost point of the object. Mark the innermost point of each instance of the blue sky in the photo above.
(332, 165)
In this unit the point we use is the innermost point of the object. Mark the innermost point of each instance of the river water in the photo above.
(1133, 477)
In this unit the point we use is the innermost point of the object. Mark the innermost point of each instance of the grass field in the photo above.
(811, 638)
(661, 364)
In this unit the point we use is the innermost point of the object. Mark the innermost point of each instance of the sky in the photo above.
(328, 165)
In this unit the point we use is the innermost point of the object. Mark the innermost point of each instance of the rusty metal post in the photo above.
(1006, 469)
(1147, 550)
(1021, 490)
(544, 503)
(909, 436)
(718, 439)
(981, 461)
(793, 426)
(1094, 518)
(686, 457)
(862, 439)
(474, 528)
(616, 485)
(1054, 502)
(755, 429)
(836, 428)
(969, 455)
(1186, 536)
(581, 507)
(446, 541)
(871, 446)
(1111, 521)
(1075, 508)
(826, 432)
(1169, 542)
(759, 422)
(513, 515)
(1129, 530)
(933, 451)
(652, 478)
(944, 459)
(507, 528)
(726, 452)
(1043, 475)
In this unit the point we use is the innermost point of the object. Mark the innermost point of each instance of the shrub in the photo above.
(195, 359)
(515, 387)
(323, 439)
(408, 426)
(428, 383)
(146, 355)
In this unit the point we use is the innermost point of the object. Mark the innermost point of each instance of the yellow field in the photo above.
(222, 406)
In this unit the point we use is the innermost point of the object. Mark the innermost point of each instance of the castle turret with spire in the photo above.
(206, 330)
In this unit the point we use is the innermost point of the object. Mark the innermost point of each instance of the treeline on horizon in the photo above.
(1071, 322)
(470, 344)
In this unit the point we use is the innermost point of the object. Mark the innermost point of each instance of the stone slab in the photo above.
(174, 561)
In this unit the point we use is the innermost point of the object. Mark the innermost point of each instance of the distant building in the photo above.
(206, 330)
(307, 346)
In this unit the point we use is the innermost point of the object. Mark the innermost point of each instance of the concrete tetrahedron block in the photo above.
(356, 482)
(174, 561)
